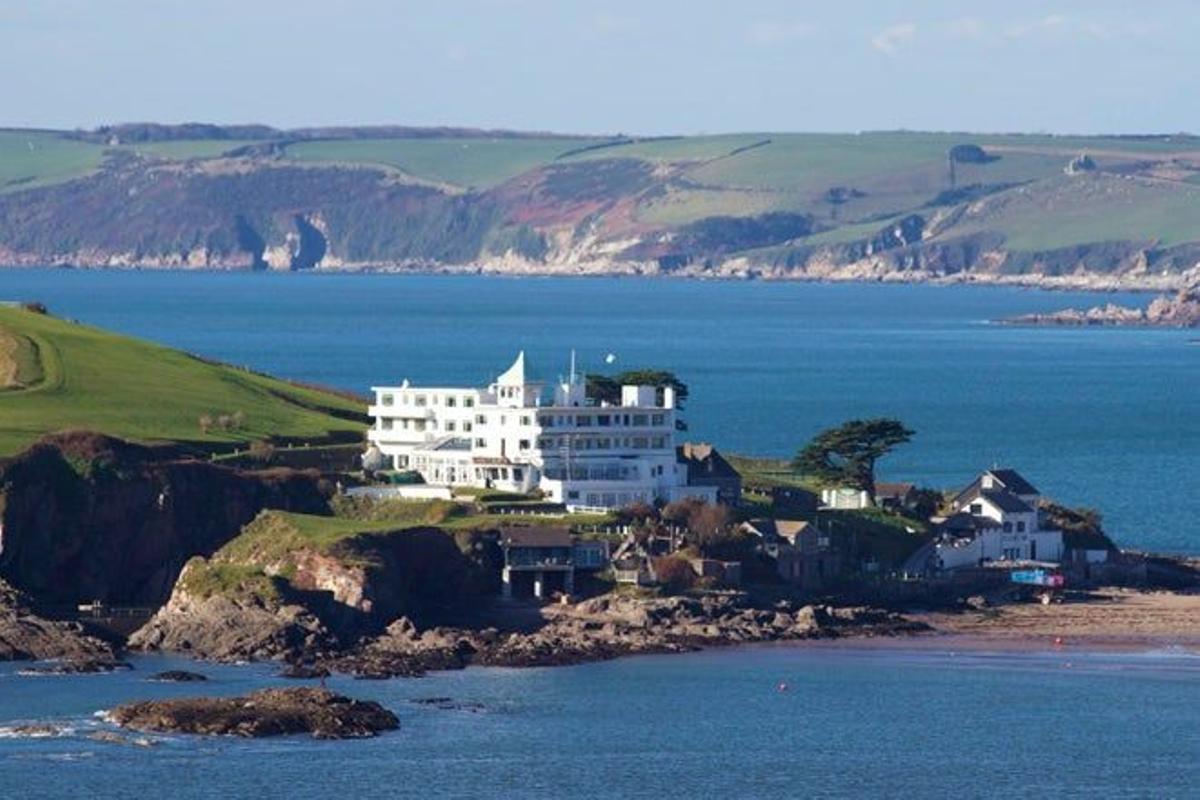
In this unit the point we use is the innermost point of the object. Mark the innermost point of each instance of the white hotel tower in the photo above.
(578, 453)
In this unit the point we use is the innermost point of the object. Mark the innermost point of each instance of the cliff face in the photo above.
(275, 592)
(87, 517)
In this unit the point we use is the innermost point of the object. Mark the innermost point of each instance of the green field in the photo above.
(29, 159)
(182, 149)
(464, 162)
(103, 382)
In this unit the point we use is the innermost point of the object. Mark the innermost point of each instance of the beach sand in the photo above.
(1117, 619)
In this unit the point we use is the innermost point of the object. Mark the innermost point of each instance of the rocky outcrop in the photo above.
(612, 626)
(270, 712)
(246, 622)
(1179, 311)
(26, 636)
(87, 517)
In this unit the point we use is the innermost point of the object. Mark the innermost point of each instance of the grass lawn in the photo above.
(29, 159)
(100, 381)
(465, 162)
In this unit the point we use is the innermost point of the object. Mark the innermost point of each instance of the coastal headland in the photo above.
(202, 532)
(1020, 209)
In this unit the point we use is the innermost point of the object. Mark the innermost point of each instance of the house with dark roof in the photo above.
(706, 467)
(538, 560)
(804, 555)
(895, 496)
(994, 519)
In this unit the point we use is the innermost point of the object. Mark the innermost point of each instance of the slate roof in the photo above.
(1006, 501)
(1013, 481)
(535, 536)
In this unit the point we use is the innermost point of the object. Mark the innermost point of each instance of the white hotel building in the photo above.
(507, 437)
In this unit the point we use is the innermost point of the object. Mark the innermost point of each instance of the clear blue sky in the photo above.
(651, 66)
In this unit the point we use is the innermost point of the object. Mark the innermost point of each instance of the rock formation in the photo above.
(26, 636)
(270, 712)
(1180, 311)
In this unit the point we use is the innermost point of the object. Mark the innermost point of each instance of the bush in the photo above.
(674, 573)
(262, 450)
(35, 307)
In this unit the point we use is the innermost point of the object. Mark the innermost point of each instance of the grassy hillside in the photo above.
(463, 162)
(33, 158)
(83, 377)
(786, 203)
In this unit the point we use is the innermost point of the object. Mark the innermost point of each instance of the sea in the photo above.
(756, 722)
(1102, 418)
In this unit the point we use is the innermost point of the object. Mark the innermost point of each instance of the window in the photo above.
(386, 400)
(1008, 527)
(639, 419)
(450, 426)
(386, 423)
(546, 421)
(656, 419)
(524, 420)
(480, 419)
(976, 508)
(451, 402)
(1020, 527)
(523, 444)
(481, 442)
(468, 402)
(419, 400)
(573, 494)
(584, 420)
(603, 420)
(466, 426)
(517, 473)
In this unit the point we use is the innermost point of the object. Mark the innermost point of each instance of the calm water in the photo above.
(853, 724)
(1105, 418)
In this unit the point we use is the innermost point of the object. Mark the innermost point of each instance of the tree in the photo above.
(605, 388)
(847, 454)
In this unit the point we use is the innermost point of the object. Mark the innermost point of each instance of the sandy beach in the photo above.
(1109, 619)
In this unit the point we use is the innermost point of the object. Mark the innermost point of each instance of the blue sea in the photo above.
(1100, 418)
(853, 723)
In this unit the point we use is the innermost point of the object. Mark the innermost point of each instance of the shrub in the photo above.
(205, 422)
(674, 573)
(262, 450)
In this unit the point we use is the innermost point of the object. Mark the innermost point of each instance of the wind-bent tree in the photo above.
(608, 388)
(846, 455)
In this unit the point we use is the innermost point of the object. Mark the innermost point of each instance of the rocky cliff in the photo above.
(87, 517)
(294, 587)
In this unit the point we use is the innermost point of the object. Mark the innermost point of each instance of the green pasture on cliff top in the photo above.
(94, 380)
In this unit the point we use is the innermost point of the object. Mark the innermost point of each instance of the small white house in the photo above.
(845, 498)
(996, 518)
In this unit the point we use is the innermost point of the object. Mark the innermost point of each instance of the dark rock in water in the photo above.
(84, 666)
(178, 676)
(303, 672)
(26, 636)
(1179, 311)
(449, 704)
(111, 737)
(33, 730)
(269, 712)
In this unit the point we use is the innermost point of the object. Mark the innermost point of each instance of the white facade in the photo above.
(1007, 526)
(507, 436)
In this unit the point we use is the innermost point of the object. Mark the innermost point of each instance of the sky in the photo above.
(646, 67)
